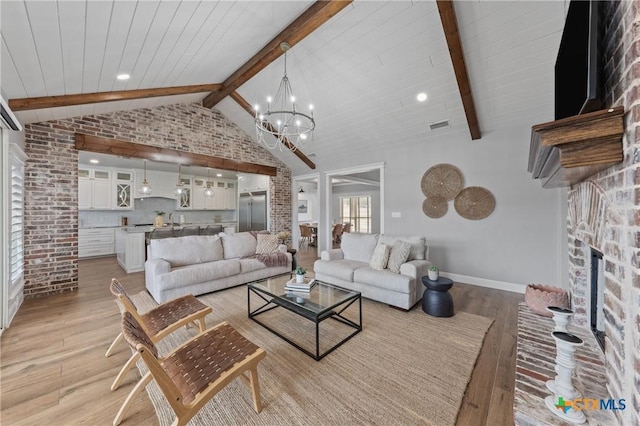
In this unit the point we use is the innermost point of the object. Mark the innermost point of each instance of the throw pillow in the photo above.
(380, 257)
(399, 254)
(267, 244)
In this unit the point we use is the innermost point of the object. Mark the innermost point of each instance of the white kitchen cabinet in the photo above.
(94, 189)
(93, 242)
(123, 189)
(226, 197)
(251, 183)
(130, 248)
(185, 199)
(198, 200)
(231, 196)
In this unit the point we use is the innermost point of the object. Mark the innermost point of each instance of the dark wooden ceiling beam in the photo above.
(450, 27)
(312, 18)
(247, 107)
(166, 155)
(23, 104)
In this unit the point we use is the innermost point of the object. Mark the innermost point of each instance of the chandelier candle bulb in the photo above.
(288, 127)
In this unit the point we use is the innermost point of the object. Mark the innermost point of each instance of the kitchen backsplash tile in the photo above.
(144, 213)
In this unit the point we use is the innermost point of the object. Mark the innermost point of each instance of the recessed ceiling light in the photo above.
(123, 76)
(94, 161)
(219, 174)
(422, 97)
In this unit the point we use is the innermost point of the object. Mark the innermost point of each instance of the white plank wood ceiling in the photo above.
(362, 69)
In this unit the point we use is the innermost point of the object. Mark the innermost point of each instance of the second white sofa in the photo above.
(349, 267)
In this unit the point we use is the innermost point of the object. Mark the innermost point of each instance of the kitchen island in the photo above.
(130, 248)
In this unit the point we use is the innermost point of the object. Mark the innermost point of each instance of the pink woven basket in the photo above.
(539, 296)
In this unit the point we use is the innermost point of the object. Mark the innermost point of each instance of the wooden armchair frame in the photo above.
(185, 398)
(158, 322)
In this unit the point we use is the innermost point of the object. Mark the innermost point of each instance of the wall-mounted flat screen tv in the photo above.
(578, 69)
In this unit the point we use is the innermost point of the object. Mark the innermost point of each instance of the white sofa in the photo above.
(200, 264)
(349, 267)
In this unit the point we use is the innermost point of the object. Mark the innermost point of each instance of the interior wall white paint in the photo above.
(312, 206)
(518, 243)
(16, 138)
(357, 191)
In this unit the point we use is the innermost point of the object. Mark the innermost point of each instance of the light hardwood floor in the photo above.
(53, 370)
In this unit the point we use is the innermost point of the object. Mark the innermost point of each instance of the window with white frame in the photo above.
(16, 225)
(357, 212)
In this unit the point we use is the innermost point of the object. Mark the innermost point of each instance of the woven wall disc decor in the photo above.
(435, 207)
(474, 203)
(442, 180)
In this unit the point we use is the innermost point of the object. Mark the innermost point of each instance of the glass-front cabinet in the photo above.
(123, 183)
(105, 188)
(184, 199)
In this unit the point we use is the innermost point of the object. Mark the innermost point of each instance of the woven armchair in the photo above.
(158, 322)
(196, 371)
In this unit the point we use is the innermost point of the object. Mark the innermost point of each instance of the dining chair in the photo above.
(337, 232)
(346, 227)
(197, 370)
(305, 235)
(159, 322)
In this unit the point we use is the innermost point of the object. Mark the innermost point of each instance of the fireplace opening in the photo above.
(597, 284)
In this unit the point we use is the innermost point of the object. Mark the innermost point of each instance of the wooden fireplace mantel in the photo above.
(567, 151)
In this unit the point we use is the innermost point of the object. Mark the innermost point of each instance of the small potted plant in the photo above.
(433, 272)
(300, 271)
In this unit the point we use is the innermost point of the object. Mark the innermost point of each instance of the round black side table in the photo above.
(437, 300)
(293, 258)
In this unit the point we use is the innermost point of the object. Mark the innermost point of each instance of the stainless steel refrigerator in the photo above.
(253, 211)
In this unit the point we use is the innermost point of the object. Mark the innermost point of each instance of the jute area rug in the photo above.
(404, 368)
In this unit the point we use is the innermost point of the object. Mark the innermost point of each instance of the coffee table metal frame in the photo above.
(314, 312)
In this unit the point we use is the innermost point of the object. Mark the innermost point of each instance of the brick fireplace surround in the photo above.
(604, 213)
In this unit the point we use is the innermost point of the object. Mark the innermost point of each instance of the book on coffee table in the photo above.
(306, 286)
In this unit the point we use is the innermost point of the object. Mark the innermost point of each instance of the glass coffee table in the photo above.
(324, 301)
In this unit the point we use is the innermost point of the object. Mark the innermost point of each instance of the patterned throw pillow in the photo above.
(267, 244)
(399, 254)
(380, 257)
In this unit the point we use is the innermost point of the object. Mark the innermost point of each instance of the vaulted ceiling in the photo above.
(362, 69)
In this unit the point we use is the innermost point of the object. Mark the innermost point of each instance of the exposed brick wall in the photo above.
(51, 198)
(604, 213)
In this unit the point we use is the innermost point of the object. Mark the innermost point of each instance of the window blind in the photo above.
(16, 249)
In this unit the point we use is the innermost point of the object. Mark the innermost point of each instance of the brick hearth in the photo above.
(535, 365)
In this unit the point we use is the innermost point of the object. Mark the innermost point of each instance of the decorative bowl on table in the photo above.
(539, 296)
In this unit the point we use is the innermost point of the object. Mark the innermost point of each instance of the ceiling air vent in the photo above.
(439, 125)
(311, 154)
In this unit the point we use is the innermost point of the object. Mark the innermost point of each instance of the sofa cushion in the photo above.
(267, 244)
(187, 250)
(198, 273)
(418, 244)
(358, 246)
(384, 279)
(342, 269)
(380, 257)
(399, 254)
(238, 245)
(250, 265)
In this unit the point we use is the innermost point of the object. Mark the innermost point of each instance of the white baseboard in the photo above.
(482, 282)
